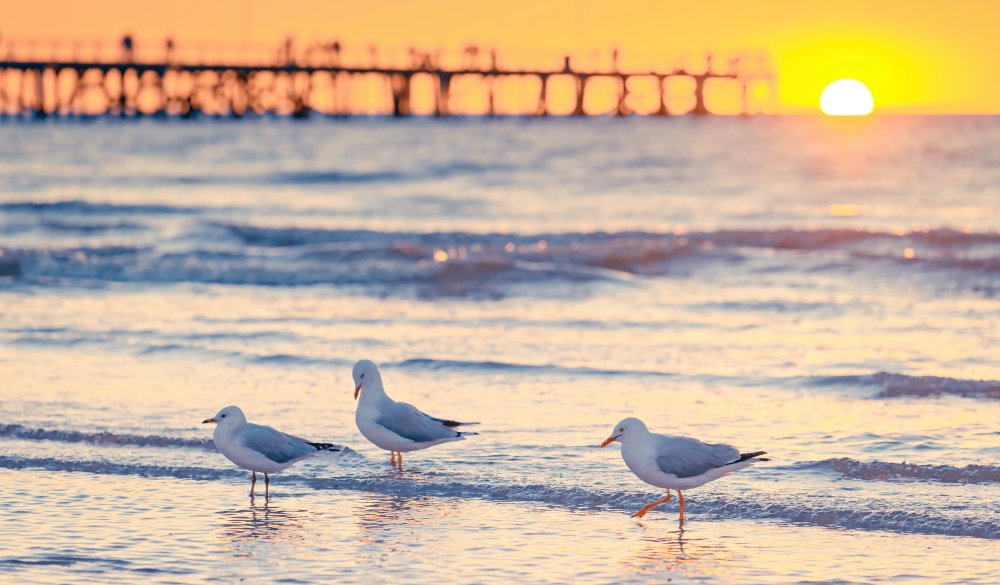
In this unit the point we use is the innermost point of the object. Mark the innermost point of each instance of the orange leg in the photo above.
(267, 487)
(642, 511)
(253, 482)
(400, 460)
(681, 496)
(392, 459)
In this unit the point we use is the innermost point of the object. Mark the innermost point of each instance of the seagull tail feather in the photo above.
(745, 456)
(454, 423)
(324, 446)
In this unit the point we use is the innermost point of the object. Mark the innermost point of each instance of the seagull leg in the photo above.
(681, 497)
(267, 487)
(253, 482)
(642, 511)
(392, 459)
(401, 461)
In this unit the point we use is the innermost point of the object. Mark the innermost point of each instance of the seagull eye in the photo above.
(362, 375)
(622, 430)
(223, 416)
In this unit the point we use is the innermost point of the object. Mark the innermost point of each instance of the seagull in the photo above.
(259, 448)
(395, 426)
(675, 463)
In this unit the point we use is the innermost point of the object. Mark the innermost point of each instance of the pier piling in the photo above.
(129, 86)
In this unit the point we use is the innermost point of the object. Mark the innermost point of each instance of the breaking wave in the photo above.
(80, 207)
(106, 439)
(895, 385)
(432, 364)
(446, 263)
(884, 471)
(881, 385)
(901, 385)
(575, 498)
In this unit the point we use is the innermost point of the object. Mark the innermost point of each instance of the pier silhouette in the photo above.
(127, 85)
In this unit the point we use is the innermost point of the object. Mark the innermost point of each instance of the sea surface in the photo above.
(827, 291)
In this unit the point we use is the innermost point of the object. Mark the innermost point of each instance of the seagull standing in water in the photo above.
(395, 426)
(259, 448)
(675, 462)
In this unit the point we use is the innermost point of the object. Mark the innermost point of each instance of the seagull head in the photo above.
(365, 372)
(229, 416)
(627, 428)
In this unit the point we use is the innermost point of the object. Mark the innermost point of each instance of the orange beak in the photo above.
(609, 440)
(357, 391)
(208, 420)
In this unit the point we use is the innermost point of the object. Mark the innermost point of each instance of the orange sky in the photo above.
(917, 56)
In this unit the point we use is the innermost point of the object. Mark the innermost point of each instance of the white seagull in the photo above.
(259, 448)
(395, 426)
(675, 462)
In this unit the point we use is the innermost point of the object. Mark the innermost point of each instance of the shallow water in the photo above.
(827, 292)
(304, 535)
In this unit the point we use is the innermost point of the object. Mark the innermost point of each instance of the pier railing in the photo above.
(40, 79)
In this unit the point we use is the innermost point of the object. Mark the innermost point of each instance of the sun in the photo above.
(846, 97)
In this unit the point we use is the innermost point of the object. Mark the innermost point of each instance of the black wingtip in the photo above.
(324, 446)
(745, 456)
(455, 423)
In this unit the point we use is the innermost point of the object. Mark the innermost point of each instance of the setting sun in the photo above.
(846, 97)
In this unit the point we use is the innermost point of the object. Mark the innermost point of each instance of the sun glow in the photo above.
(846, 97)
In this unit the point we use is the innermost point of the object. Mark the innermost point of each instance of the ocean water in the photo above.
(824, 290)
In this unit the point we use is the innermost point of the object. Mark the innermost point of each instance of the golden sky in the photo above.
(916, 56)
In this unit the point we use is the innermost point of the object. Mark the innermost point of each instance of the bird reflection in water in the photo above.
(244, 527)
(660, 550)
(386, 524)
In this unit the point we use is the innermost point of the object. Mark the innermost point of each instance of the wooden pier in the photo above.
(126, 86)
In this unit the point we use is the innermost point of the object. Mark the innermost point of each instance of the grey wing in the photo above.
(275, 445)
(409, 423)
(686, 457)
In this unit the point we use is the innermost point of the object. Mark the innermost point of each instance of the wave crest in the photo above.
(896, 385)
(885, 471)
(103, 439)
(455, 263)
(577, 498)
(902, 385)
